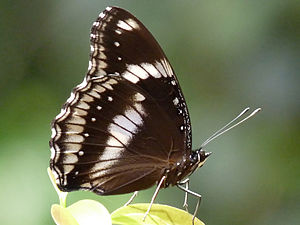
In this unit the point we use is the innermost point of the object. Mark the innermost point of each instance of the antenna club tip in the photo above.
(256, 111)
(245, 110)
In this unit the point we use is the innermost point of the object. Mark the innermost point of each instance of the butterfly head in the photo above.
(201, 157)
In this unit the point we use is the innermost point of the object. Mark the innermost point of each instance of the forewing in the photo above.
(122, 45)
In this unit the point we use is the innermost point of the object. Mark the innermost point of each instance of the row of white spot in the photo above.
(73, 130)
(136, 72)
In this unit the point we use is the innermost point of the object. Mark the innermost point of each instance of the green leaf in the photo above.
(62, 216)
(83, 212)
(159, 214)
(90, 212)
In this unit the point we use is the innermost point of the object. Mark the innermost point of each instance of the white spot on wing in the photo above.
(119, 138)
(75, 138)
(124, 122)
(167, 67)
(70, 158)
(134, 117)
(79, 112)
(138, 71)
(102, 64)
(124, 25)
(99, 88)
(120, 134)
(100, 72)
(87, 98)
(112, 81)
(139, 97)
(75, 119)
(175, 101)
(96, 23)
(130, 77)
(53, 132)
(101, 15)
(108, 8)
(133, 23)
(68, 169)
(107, 86)
(52, 153)
(140, 108)
(151, 70)
(106, 161)
(113, 142)
(72, 147)
(161, 69)
(83, 105)
(95, 94)
(99, 55)
(90, 65)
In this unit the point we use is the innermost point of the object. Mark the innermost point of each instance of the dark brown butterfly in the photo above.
(126, 127)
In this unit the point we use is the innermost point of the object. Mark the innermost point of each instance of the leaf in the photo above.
(159, 215)
(62, 216)
(83, 212)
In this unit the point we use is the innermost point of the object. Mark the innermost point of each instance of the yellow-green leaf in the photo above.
(159, 214)
(90, 212)
(62, 216)
(84, 212)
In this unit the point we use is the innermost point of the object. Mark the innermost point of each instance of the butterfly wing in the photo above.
(122, 45)
(127, 122)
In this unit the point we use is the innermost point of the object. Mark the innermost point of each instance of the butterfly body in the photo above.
(126, 127)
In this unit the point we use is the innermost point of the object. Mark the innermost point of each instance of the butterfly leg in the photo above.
(131, 198)
(154, 196)
(186, 183)
(194, 194)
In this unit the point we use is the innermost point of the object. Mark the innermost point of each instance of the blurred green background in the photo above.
(227, 55)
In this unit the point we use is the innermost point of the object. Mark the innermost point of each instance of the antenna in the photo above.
(227, 127)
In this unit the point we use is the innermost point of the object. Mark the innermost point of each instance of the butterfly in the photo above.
(126, 127)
